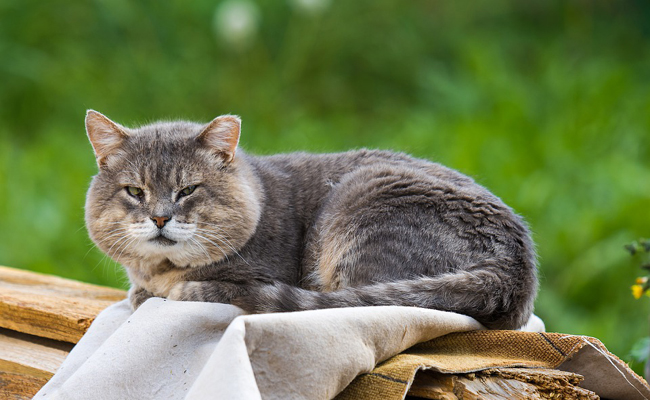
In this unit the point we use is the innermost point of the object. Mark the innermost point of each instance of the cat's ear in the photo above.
(105, 135)
(221, 136)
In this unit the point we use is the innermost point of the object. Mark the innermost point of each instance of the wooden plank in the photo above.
(27, 354)
(19, 386)
(462, 387)
(27, 363)
(500, 384)
(49, 306)
(550, 383)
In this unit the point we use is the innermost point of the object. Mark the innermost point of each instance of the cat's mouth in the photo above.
(162, 240)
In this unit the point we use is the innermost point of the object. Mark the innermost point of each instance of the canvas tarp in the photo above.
(187, 350)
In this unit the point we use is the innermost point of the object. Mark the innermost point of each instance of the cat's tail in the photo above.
(481, 294)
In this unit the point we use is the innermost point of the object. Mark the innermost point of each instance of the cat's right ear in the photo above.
(105, 135)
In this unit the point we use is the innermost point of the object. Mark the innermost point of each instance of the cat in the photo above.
(192, 217)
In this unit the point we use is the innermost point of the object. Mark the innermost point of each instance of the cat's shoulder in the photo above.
(350, 156)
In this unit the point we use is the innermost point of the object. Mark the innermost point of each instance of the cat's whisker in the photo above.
(115, 256)
(119, 240)
(92, 246)
(193, 241)
(117, 230)
(227, 244)
(214, 244)
(116, 223)
(221, 230)
(108, 238)
(80, 228)
(111, 234)
(105, 258)
(215, 225)
(220, 227)
(104, 255)
(220, 235)
(116, 242)
(222, 239)
(126, 246)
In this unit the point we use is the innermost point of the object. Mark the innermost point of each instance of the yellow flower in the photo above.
(637, 291)
(641, 280)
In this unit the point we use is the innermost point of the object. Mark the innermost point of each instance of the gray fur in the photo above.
(304, 231)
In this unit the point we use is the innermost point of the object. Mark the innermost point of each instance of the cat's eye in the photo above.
(187, 191)
(135, 191)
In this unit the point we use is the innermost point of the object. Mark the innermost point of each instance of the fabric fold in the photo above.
(187, 350)
(194, 351)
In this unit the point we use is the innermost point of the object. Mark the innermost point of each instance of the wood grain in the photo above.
(27, 363)
(31, 355)
(19, 386)
(501, 384)
(49, 306)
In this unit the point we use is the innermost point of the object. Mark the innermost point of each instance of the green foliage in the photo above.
(640, 352)
(638, 246)
(545, 103)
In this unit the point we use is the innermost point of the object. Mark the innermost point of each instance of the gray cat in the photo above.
(192, 217)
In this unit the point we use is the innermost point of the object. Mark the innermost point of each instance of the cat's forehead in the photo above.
(159, 174)
(164, 152)
(163, 141)
(167, 130)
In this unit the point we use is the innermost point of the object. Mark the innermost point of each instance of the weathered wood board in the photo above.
(501, 384)
(27, 362)
(49, 306)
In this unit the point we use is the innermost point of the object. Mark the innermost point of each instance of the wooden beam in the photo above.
(50, 307)
(500, 384)
(27, 363)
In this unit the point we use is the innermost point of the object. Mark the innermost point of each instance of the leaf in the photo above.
(645, 243)
(631, 248)
(640, 351)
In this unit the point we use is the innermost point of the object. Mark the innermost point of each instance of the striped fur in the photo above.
(303, 231)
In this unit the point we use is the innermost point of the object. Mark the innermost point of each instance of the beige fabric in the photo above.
(185, 350)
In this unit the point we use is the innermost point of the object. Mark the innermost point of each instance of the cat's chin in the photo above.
(179, 253)
(163, 241)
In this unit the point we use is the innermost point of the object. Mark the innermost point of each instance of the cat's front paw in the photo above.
(206, 291)
(137, 296)
(186, 291)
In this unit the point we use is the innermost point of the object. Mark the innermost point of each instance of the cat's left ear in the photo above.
(222, 136)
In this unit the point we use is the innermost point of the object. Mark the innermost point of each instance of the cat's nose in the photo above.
(160, 221)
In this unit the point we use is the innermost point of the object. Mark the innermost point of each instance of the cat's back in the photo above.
(306, 188)
(330, 167)
(421, 233)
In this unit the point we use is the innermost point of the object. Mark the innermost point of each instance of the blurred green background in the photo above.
(547, 103)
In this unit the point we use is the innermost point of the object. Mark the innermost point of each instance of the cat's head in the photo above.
(170, 190)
